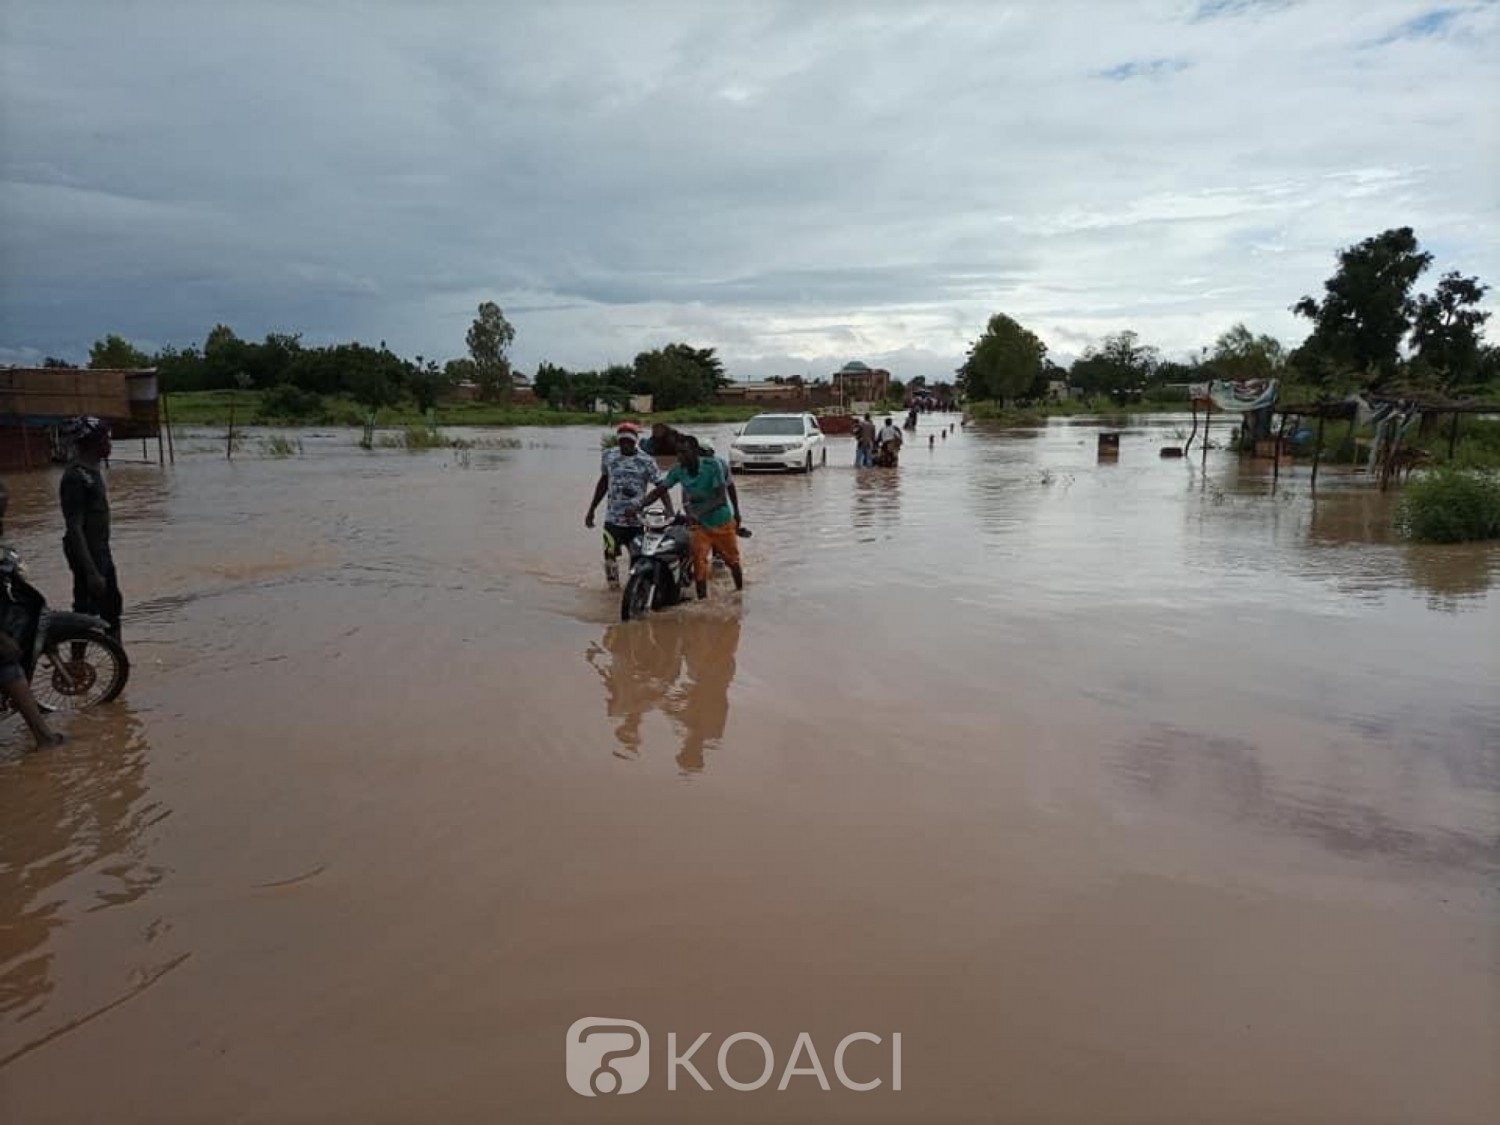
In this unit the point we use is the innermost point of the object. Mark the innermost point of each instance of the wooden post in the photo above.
(1452, 435)
(1208, 417)
(1188, 448)
(1317, 452)
(1276, 453)
(229, 438)
(167, 418)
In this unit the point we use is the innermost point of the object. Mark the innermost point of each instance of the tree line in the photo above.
(1370, 331)
(296, 377)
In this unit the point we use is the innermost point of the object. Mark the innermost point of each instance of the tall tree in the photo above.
(114, 353)
(676, 375)
(427, 383)
(1118, 364)
(1366, 310)
(1447, 330)
(1240, 354)
(488, 338)
(1003, 363)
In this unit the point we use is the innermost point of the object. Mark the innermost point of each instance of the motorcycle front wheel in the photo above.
(80, 670)
(639, 591)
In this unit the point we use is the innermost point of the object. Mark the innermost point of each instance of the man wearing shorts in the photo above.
(705, 494)
(625, 475)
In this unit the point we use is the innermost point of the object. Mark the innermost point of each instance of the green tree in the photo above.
(53, 361)
(114, 353)
(1118, 365)
(224, 358)
(1366, 310)
(553, 384)
(180, 370)
(1003, 363)
(1240, 354)
(427, 383)
(1447, 331)
(674, 376)
(488, 338)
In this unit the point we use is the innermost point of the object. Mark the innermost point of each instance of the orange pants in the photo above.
(724, 539)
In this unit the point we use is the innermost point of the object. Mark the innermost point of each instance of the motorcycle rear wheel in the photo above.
(79, 670)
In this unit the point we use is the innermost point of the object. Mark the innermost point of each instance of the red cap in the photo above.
(627, 429)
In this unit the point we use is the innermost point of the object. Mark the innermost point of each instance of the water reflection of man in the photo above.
(702, 707)
(681, 667)
(643, 664)
(72, 815)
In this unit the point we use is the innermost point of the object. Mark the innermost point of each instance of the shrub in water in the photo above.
(1451, 506)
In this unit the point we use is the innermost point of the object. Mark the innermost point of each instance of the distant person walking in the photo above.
(864, 443)
(85, 509)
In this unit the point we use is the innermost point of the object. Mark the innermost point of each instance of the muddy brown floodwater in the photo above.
(1122, 792)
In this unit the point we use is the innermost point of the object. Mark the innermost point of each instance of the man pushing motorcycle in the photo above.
(714, 518)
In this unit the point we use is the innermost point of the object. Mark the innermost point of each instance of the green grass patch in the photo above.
(1451, 506)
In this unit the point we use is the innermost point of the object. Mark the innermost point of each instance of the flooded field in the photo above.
(1122, 791)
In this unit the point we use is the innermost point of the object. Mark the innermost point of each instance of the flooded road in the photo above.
(1122, 791)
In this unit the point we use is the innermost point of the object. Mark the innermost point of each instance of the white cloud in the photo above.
(797, 184)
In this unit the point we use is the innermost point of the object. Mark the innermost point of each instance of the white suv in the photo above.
(779, 441)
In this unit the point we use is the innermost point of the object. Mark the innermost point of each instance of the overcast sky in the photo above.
(795, 184)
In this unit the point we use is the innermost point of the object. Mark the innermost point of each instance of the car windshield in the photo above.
(781, 427)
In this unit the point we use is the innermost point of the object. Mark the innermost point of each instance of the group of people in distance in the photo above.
(631, 480)
(84, 499)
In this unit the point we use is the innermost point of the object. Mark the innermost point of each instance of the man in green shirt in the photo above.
(705, 494)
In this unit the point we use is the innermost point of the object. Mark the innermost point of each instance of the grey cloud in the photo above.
(777, 180)
(1143, 68)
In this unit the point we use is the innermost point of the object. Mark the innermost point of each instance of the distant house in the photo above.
(35, 401)
(521, 389)
(760, 391)
(856, 382)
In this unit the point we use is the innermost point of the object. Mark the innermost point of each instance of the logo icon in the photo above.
(607, 1056)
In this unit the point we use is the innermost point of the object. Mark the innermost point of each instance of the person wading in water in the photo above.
(625, 474)
(85, 509)
(705, 493)
(13, 683)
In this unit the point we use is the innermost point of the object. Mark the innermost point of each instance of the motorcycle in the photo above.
(661, 565)
(71, 659)
(887, 454)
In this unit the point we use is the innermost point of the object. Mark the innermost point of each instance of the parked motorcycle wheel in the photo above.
(640, 590)
(79, 669)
